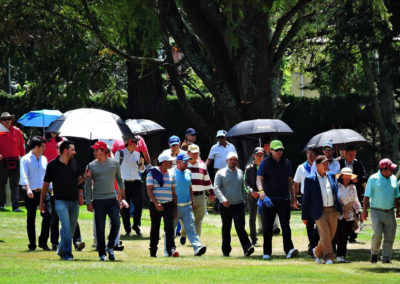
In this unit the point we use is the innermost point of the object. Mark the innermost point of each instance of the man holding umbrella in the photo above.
(12, 147)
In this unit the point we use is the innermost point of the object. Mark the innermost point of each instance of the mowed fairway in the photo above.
(133, 265)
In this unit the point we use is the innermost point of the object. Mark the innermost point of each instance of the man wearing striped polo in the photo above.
(163, 205)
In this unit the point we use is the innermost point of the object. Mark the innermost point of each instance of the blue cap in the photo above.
(328, 144)
(173, 140)
(182, 157)
(190, 131)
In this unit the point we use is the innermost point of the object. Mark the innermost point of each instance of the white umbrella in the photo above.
(91, 124)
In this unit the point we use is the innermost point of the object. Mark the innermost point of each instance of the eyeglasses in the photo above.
(185, 162)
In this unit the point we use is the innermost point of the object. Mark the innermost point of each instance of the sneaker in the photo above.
(182, 240)
(111, 255)
(200, 251)
(119, 248)
(340, 259)
(79, 246)
(137, 230)
(54, 247)
(249, 251)
(292, 253)
(102, 258)
(329, 261)
(17, 210)
(174, 253)
(44, 247)
(374, 258)
(266, 257)
(318, 260)
(67, 258)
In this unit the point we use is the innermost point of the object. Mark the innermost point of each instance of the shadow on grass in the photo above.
(380, 269)
(133, 237)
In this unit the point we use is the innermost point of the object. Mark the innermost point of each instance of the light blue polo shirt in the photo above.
(182, 182)
(382, 191)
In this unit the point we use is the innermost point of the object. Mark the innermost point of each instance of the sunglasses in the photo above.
(185, 162)
(6, 118)
(278, 150)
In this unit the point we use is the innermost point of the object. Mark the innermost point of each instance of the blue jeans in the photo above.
(67, 211)
(102, 208)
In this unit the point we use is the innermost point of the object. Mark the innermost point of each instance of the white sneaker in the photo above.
(340, 259)
(266, 257)
(318, 260)
(329, 261)
(292, 253)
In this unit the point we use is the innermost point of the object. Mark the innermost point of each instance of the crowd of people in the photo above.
(333, 201)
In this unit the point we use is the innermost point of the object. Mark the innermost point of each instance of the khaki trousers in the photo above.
(327, 225)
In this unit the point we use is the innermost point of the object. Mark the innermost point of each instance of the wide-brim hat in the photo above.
(5, 115)
(347, 172)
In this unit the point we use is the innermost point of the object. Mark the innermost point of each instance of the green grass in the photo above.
(133, 265)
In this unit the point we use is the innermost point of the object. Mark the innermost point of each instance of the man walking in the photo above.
(102, 199)
(321, 203)
(219, 151)
(32, 170)
(228, 187)
(63, 173)
(190, 139)
(12, 147)
(131, 166)
(181, 179)
(163, 205)
(274, 180)
(382, 194)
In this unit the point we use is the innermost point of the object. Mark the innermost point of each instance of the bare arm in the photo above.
(259, 183)
(208, 162)
(43, 193)
(296, 186)
(364, 214)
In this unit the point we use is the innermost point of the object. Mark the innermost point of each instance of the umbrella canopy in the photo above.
(339, 137)
(258, 128)
(91, 124)
(39, 118)
(143, 126)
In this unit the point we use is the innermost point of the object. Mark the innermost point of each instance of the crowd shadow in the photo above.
(133, 238)
(380, 269)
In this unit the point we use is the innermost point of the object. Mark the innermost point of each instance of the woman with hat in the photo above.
(347, 194)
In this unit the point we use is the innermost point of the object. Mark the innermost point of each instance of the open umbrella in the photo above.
(39, 118)
(259, 128)
(91, 124)
(143, 126)
(339, 137)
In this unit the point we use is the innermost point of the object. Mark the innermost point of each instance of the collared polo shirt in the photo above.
(218, 153)
(326, 190)
(12, 143)
(130, 164)
(300, 176)
(163, 193)
(182, 181)
(382, 191)
(32, 171)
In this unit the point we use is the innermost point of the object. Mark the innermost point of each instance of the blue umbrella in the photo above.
(39, 118)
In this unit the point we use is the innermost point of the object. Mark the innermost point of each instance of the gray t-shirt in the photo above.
(103, 176)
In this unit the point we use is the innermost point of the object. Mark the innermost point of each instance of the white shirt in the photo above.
(218, 153)
(32, 171)
(301, 174)
(334, 167)
(326, 190)
(130, 165)
(169, 152)
(347, 165)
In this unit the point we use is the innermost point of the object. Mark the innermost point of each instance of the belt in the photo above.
(164, 202)
(132, 180)
(329, 206)
(36, 190)
(184, 204)
(198, 192)
(383, 210)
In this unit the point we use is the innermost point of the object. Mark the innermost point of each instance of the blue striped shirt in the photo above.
(163, 193)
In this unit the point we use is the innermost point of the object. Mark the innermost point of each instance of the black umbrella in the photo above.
(339, 137)
(259, 128)
(143, 126)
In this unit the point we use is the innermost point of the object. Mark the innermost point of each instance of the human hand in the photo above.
(254, 194)
(364, 215)
(159, 206)
(29, 193)
(89, 207)
(305, 222)
(81, 201)
(41, 206)
(226, 204)
(261, 195)
(211, 198)
(87, 174)
(1, 157)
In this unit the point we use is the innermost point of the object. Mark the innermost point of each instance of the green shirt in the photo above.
(382, 191)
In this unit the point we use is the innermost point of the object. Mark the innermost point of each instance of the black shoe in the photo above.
(374, 258)
(137, 230)
(17, 210)
(226, 254)
(44, 247)
(386, 261)
(54, 247)
(119, 248)
(120, 243)
(80, 246)
(32, 247)
(249, 251)
(182, 240)
(254, 242)
(352, 241)
(310, 253)
(276, 231)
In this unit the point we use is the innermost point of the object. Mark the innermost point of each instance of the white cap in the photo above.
(231, 155)
(165, 157)
(221, 133)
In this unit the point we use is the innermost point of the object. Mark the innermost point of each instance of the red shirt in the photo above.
(50, 151)
(12, 143)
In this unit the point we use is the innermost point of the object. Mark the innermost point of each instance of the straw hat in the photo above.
(348, 172)
(6, 115)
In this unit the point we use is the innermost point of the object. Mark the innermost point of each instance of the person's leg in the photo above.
(31, 207)
(137, 199)
(55, 233)
(46, 221)
(341, 237)
(14, 180)
(377, 228)
(64, 247)
(100, 219)
(125, 212)
(113, 214)
(389, 234)
(268, 219)
(253, 208)
(77, 235)
(185, 214)
(199, 210)
(155, 218)
(168, 218)
(226, 217)
(3, 183)
(239, 221)
(324, 247)
(283, 209)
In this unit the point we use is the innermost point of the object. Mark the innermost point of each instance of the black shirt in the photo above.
(275, 177)
(64, 178)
